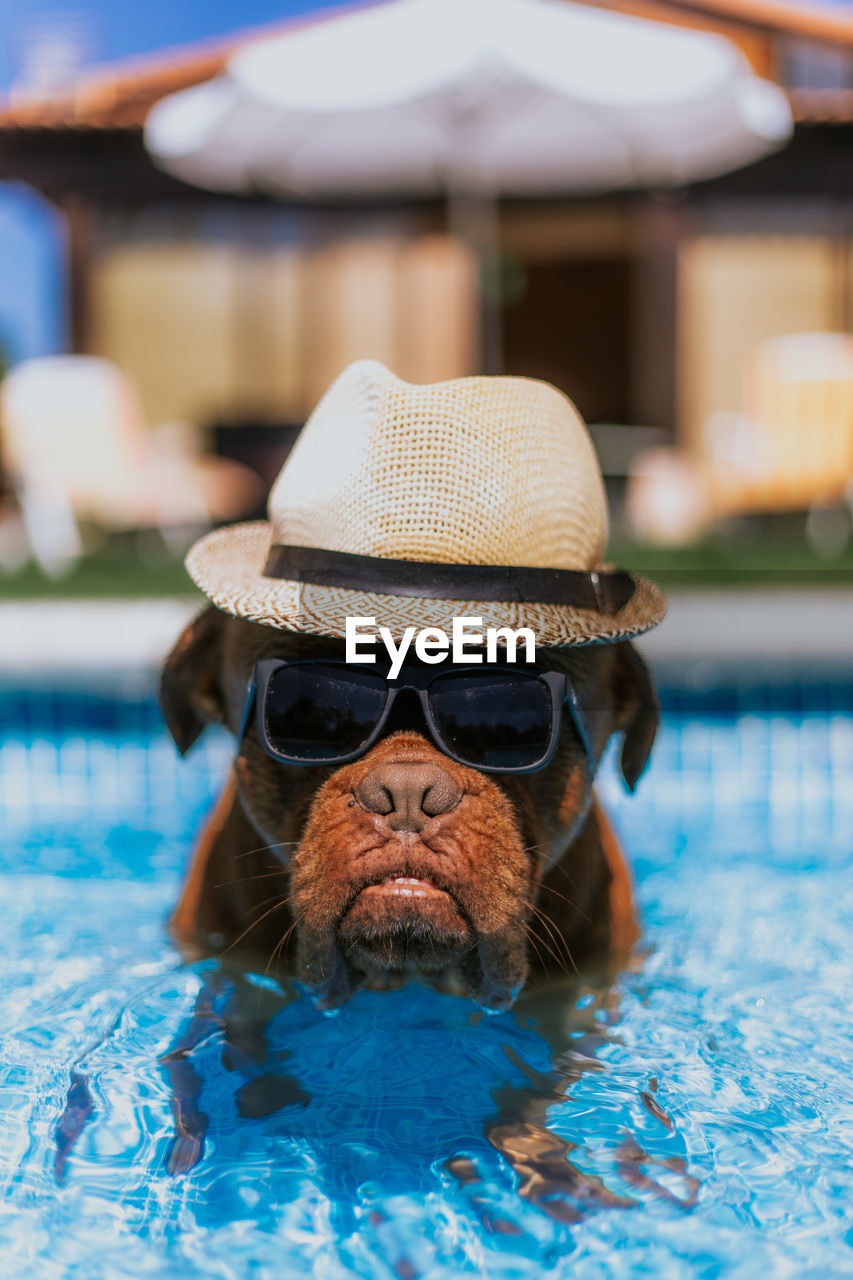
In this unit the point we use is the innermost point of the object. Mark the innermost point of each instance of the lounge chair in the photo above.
(77, 451)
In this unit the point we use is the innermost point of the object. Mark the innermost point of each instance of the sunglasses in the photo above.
(494, 718)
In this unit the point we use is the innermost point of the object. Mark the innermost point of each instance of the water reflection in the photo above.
(401, 1094)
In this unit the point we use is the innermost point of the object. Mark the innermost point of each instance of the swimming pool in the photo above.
(691, 1116)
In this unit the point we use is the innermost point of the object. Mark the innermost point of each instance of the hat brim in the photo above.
(227, 565)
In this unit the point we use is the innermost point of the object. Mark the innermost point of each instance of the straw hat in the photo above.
(418, 504)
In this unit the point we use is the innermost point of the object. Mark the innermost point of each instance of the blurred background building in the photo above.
(657, 311)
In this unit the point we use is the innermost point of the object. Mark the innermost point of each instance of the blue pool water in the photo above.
(692, 1116)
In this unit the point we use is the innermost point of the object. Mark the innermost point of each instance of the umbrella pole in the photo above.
(473, 216)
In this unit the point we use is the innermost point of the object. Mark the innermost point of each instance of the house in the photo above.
(645, 306)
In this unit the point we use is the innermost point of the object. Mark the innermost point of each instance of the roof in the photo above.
(800, 18)
(119, 96)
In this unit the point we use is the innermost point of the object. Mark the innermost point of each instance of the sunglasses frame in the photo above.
(417, 680)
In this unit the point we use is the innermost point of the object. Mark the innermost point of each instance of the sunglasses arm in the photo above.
(571, 698)
(247, 712)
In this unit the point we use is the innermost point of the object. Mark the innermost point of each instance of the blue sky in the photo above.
(33, 319)
(120, 28)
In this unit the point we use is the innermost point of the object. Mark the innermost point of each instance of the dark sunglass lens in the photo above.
(500, 720)
(317, 711)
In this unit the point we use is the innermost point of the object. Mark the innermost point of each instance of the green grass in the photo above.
(787, 561)
(105, 574)
(777, 562)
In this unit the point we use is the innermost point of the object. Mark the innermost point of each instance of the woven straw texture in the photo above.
(475, 471)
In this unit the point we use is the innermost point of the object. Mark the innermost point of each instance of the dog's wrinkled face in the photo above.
(404, 862)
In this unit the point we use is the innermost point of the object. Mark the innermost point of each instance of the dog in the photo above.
(419, 506)
(509, 872)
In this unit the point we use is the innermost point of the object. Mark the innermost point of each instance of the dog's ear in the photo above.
(637, 712)
(190, 690)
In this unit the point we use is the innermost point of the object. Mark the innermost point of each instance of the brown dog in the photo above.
(405, 863)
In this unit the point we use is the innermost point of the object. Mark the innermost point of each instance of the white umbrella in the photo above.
(471, 98)
(512, 96)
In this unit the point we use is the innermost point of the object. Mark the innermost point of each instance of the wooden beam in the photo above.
(79, 221)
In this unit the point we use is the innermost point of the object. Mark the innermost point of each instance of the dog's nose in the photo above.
(408, 794)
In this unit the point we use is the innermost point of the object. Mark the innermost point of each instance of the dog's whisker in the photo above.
(558, 959)
(549, 923)
(273, 897)
(556, 935)
(267, 848)
(276, 907)
(583, 915)
(547, 888)
(558, 866)
(532, 939)
(288, 932)
(557, 940)
(278, 948)
(263, 875)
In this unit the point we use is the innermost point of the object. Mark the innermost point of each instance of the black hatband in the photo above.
(603, 590)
